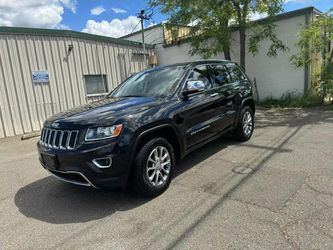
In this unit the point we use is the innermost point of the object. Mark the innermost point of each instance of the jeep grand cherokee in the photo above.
(143, 127)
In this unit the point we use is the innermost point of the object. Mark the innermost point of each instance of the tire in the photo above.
(145, 167)
(245, 116)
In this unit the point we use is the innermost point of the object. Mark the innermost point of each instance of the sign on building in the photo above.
(41, 76)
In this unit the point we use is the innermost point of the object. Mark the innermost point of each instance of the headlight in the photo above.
(101, 133)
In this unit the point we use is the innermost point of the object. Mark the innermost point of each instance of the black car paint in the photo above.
(195, 120)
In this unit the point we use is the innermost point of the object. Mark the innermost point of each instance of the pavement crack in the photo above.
(251, 203)
(291, 197)
(318, 191)
(279, 227)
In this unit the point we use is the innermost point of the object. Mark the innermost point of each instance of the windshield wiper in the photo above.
(130, 96)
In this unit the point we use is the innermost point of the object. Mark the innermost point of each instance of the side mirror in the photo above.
(193, 87)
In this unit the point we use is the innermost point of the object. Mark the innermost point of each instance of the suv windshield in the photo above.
(155, 82)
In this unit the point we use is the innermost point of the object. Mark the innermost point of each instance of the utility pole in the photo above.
(143, 17)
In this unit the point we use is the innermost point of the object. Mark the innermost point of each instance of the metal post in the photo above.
(143, 17)
(143, 43)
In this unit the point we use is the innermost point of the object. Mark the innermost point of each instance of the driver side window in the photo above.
(201, 74)
(220, 75)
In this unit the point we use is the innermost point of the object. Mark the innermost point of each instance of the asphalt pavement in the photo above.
(272, 192)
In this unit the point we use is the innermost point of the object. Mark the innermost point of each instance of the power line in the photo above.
(135, 27)
(154, 11)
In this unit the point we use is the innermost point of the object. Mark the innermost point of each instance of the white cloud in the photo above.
(255, 16)
(118, 10)
(151, 25)
(97, 10)
(33, 13)
(114, 28)
(63, 27)
(70, 4)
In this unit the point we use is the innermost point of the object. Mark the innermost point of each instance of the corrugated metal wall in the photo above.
(25, 105)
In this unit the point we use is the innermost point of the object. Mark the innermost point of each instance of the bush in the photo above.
(292, 100)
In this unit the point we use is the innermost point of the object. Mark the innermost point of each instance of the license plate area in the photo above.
(50, 161)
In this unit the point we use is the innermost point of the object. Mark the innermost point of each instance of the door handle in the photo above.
(214, 94)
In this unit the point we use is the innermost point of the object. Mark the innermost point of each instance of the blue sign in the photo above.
(40, 76)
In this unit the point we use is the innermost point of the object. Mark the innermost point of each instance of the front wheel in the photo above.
(245, 125)
(153, 167)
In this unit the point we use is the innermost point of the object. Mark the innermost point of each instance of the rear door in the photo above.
(225, 89)
(241, 84)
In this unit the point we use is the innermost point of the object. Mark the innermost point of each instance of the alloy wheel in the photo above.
(158, 166)
(247, 123)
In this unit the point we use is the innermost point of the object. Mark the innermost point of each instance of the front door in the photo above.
(201, 113)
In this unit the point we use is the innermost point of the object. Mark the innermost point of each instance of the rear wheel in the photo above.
(245, 125)
(153, 168)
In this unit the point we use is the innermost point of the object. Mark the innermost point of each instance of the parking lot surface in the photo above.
(272, 192)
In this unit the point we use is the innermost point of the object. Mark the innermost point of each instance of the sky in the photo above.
(113, 18)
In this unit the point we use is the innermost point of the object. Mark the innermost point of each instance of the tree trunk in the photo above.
(242, 39)
(226, 53)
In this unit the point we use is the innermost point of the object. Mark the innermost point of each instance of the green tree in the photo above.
(217, 19)
(315, 49)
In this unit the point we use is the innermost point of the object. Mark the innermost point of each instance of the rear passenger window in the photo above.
(236, 73)
(220, 75)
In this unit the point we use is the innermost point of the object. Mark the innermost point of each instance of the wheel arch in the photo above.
(249, 102)
(166, 131)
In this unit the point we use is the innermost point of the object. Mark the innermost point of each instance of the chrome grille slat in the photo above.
(49, 139)
(74, 135)
(68, 138)
(42, 135)
(54, 137)
(47, 136)
(60, 140)
(55, 145)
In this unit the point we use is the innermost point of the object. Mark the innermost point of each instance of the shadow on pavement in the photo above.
(293, 117)
(56, 202)
(203, 153)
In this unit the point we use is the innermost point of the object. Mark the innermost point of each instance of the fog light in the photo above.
(103, 162)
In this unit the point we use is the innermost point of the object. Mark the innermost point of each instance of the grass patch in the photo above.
(292, 100)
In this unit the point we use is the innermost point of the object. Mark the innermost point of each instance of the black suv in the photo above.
(154, 118)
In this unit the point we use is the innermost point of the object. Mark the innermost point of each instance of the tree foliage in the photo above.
(315, 49)
(216, 20)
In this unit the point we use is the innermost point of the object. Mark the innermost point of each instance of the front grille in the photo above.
(59, 139)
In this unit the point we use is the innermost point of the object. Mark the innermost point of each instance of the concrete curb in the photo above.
(30, 135)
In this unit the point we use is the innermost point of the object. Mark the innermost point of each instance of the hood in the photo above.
(104, 112)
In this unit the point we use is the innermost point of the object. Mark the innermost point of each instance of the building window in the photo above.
(96, 84)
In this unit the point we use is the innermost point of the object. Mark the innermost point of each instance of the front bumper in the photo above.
(77, 167)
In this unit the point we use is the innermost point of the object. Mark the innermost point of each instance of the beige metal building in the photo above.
(43, 72)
